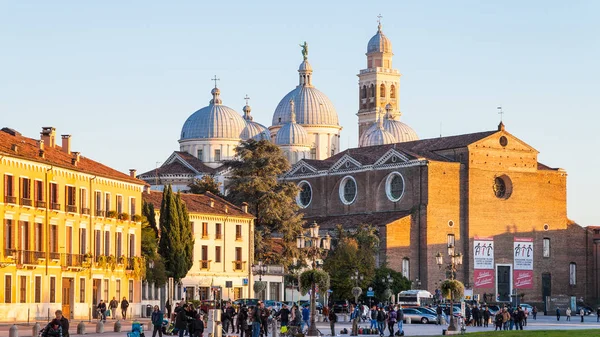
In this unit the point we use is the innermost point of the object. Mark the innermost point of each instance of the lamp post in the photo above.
(317, 246)
(416, 283)
(356, 291)
(456, 260)
(259, 286)
(387, 281)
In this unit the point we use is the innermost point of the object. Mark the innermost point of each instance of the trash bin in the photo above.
(148, 310)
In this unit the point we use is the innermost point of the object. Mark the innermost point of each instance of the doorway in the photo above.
(546, 288)
(68, 297)
(96, 284)
(503, 282)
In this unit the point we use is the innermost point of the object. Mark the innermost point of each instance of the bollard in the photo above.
(408, 320)
(81, 328)
(35, 330)
(118, 326)
(275, 331)
(14, 331)
(345, 319)
(100, 327)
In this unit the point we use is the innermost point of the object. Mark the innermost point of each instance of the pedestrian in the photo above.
(498, 320)
(505, 318)
(558, 314)
(526, 314)
(198, 326)
(380, 321)
(438, 312)
(400, 319)
(191, 316)
(53, 329)
(520, 318)
(581, 313)
(112, 305)
(373, 316)
(332, 320)
(102, 310)
(264, 319)
(568, 313)
(284, 315)
(181, 320)
(124, 306)
(513, 316)
(534, 312)
(157, 319)
(475, 312)
(305, 318)
(391, 320)
(228, 314)
(64, 322)
(598, 315)
(326, 313)
(486, 317)
(168, 308)
(242, 320)
(354, 317)
(256, 319)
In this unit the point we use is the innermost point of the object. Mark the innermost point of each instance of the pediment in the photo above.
(301, 168)
(502, 140)
(174, 157)
(346, 163)
(392, 157)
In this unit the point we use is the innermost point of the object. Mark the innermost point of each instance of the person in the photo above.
(558, 314)
(168, 308)
(568, 313)
(475, 312)
(284, 315)
(191, 315)
(519, 318)
(498, 320)
(53, 329)
(305, 317)
(513, 318)
(391, 320)
(534, 313)
(256, 320)
(505, 318)
(112, 305)
(526, 314)
(354, 317)
(228, 314)
(102, 310)
(438, 312)
(581, 313)
(400, 319)
(373, 314)
(181, 320)
(486, 317)
(380, 321)
(264, 319)
(124, 306)
(326, 313)
(598, 315)
(332, 320)
(242, 320)
(198, 325)
(64, 322)
(157, 320)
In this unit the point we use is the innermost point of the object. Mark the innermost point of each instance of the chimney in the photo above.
(75, 158)
(212, 202)
(15, 148)
(66, 144)
(245, 207)
(49, 135)
(132, 173)
(40, 144)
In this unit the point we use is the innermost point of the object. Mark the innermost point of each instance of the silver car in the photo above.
(418, 316)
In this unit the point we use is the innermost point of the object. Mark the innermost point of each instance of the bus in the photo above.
(415, 298)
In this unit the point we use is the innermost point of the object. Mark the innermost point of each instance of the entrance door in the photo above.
(95, 295)
(546, 288)
(189, 294)
(503, 283)
(68, 294)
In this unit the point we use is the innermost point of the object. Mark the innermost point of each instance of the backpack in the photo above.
(380, 315)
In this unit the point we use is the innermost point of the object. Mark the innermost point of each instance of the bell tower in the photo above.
(379, 83)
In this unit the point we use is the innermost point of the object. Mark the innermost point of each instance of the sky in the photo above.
(123, 76)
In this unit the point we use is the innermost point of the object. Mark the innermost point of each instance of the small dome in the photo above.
(291, 133)
(305, 66)
(213, 121)
(312, 108)
(401, 132)
(379, 43)
(377, 136)
(255, 131)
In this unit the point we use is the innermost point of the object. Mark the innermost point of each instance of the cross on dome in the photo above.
(215, 79)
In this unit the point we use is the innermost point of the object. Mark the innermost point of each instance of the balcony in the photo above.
(40, 204)
(10, 252)
(85, 211)
(54, 256)
(218, 236)
(9, 199)
(26, 202)
(71, 208)
(129, 265)
(205, 264)
(29, 257)
(238, 265)
(74, 261)
(55, 206)
(100, 213)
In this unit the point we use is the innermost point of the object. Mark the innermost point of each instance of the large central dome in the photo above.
(312, 107)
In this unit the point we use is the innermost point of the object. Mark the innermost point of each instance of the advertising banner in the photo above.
(483, 262)
(523, 263)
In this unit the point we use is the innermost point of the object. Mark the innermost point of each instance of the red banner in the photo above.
(483, 278)
(523, 279)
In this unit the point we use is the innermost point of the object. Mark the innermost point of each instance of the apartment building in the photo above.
(70, 230)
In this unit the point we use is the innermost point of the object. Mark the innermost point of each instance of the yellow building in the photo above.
(223, 247)
(70, 228)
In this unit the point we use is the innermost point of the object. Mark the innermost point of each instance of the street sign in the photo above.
(370, 293)
(370, 288)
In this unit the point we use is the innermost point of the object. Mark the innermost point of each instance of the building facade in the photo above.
(70, 228)
(223, 247)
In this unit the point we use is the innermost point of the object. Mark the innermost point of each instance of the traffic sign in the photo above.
(370, 293)
(370, 288)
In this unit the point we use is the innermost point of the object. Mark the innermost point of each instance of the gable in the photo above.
(346, 163)
(392, 157)
(503, 140)
(301, 168)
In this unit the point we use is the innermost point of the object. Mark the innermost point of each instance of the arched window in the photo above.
(363, 92)
(382, 90)
(572, 274)
(372, 91)
(393, 91)
(406, 267)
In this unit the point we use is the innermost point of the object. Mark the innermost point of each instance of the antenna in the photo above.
(500, 112)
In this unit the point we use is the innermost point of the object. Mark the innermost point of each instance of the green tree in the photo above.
(255, 170)
(398, 284)
(176, 245)
(155, 268)
(205, 184)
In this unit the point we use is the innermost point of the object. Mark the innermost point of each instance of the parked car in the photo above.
(431, 311)
(340, 306)
(587, 310)
(526, 306)
(249, 302)
(494, 309)
(318, 305)
(418, 316)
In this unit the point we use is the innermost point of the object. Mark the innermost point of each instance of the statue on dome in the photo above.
(304, 50)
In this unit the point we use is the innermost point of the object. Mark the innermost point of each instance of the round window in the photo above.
(503, 141)
(348, 190)
(394, 186)
(546, 227)
(305, 195)
(502, 187)
(450, 223)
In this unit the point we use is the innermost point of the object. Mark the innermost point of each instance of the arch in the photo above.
(372, 90)
(382, 90)
(393, 91)
(363, 92)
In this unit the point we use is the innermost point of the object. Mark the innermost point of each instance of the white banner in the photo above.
(483, 253)
(523, 253)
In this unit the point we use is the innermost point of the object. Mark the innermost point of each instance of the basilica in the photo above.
(432, 200)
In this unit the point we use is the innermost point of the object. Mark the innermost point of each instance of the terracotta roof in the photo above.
(353, 220)
(200, 203)
(541, 166)
(27, 148)
(196, 163)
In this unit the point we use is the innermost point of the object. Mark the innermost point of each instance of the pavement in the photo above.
(542, 323)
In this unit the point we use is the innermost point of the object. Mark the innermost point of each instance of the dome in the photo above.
(255, 131)
(213, 121)
(305, 66)
(401, 131)
(312, 108)
(377, 136)
(291, 133)
(379, 43)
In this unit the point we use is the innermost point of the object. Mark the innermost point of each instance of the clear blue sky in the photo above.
(122, 76)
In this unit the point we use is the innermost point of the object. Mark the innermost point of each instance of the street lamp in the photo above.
(356, 291)
(260, 269)
(318, 246)
(456, 259)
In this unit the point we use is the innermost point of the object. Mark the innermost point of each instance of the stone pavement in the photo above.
(542, 323)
